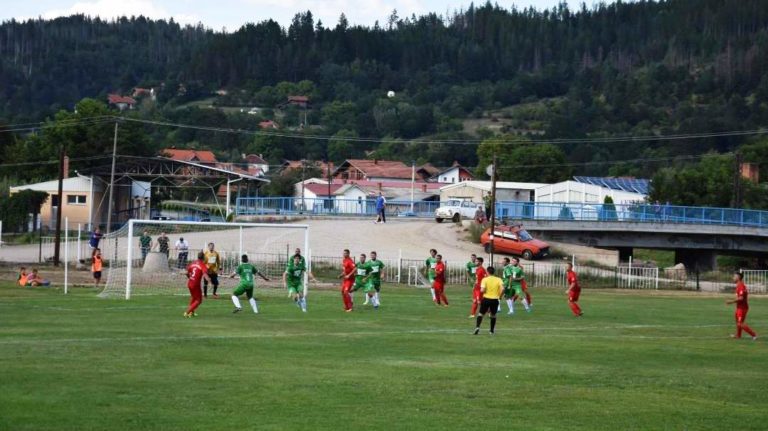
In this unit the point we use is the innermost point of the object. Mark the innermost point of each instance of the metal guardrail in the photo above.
(331, 207)
(640, 212)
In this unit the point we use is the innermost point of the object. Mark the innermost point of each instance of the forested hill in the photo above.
(621, 69)
(54, 63)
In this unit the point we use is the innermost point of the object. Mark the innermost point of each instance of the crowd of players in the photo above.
(488, 289)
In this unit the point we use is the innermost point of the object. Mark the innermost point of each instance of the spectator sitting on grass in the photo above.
(23, 276)
(35, 280)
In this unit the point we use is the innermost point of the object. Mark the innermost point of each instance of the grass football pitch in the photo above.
(635, 361)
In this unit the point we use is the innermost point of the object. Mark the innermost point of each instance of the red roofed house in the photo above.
(291, 165)
(300, 101)
(202, 157)
(373, 170)
(121, 102)
(268, 124)
(256, 164)
(454, 174)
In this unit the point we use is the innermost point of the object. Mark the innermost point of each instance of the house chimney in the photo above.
(66, 167)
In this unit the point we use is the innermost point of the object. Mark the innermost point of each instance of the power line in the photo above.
(500, 141)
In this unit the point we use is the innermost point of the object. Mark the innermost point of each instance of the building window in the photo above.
(75, 199)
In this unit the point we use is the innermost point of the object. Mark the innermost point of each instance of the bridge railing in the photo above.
(331, 207)
(639, 212)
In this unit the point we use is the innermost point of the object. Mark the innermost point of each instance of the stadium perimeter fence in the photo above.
(410, 272)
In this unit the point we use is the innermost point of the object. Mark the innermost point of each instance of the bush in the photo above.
(475, 231)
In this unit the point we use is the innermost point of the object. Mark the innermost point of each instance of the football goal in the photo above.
(147, 257)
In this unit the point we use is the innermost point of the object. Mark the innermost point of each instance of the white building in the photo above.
(476, 191)
(576, 192)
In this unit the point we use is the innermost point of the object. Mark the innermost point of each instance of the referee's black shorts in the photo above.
(489, 305)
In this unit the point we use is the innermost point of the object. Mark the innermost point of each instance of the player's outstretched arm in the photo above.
(264, 276)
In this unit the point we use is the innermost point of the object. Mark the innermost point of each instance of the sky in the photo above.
(231, 14)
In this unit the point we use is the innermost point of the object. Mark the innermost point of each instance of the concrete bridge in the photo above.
(696, 234)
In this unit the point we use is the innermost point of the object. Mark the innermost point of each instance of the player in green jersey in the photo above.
(430, 264)
(471, 268)
(375, 277)
(506, 274)
(246, 272)
(516, 278)
(363, 280)
(293, 280)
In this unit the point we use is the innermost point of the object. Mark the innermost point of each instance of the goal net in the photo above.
(148, 257)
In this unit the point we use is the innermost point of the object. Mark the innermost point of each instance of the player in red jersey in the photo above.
(439, 283)
(347, 280)
(574, 290)
(477, 294)
(196, 272)
(742, 307)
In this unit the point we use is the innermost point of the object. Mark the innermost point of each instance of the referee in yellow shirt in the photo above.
(492, 288)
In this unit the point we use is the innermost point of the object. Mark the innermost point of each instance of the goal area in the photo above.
(149, 257)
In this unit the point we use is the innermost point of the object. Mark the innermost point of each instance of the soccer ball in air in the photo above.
(390, 94)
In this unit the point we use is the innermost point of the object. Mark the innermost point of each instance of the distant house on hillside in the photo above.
(267, 124)
(203, 157)
(454, 174)
(291, 165)
(380, 170)
(139, 92)
(300, 101)
(121, 102)
(256, 164)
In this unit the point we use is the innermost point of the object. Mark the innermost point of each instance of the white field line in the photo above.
(466, 330)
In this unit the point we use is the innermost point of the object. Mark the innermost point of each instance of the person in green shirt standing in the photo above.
(471, 268)
(363, 281)
(430, 264)
(246, 271)
(293, 280)
(375, 277)
(516, 278)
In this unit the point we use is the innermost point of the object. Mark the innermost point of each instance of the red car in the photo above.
(514, 240)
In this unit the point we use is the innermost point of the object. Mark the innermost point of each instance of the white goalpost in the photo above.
(147, 257)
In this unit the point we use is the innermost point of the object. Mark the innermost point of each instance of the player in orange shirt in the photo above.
(574, 290)
(477, 294)
(742, 307)
(347, 280)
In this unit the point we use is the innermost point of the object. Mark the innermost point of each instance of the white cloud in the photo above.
(107, 9)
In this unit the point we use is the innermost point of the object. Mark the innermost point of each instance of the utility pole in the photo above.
(60, 198)
(493, 206)
(738, 192)
(112, 182)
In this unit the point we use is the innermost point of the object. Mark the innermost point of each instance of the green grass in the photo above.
(635, 361)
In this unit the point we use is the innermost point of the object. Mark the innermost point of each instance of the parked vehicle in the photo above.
(514, 240)
(455, 210)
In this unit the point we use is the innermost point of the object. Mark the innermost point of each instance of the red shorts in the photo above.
(346, 285)
(741, 314)
(477, 295)
(438, 285)
(195, 291)
(573, 296)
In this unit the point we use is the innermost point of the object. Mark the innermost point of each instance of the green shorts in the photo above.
(376, 284)
(243, 288)
(295, 289)
(513, 290)
(365, 287)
